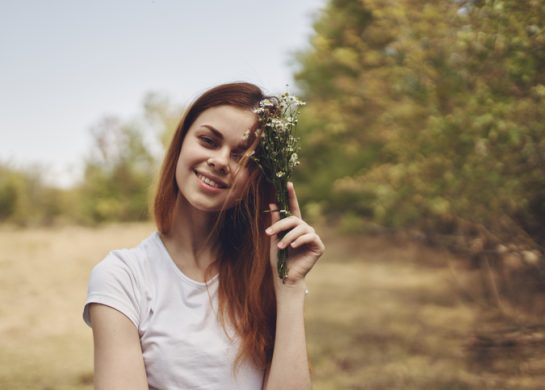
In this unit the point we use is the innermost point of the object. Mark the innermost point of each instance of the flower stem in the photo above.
(282, 199)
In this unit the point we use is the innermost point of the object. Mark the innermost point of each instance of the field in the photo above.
(382, 313)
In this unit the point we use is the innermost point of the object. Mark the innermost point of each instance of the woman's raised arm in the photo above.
(289, 367)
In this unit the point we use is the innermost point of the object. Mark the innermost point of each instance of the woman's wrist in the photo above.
(290, 288)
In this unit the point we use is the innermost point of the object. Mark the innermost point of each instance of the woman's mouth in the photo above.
(210, 182)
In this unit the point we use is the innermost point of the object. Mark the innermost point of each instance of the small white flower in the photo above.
(294, 160)
(246, 135)
(266, 103)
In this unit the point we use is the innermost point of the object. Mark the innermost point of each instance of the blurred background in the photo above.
(423, 168)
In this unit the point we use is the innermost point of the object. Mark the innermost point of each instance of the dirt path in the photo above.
(381, 314)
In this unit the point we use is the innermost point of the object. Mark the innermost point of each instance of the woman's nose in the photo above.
(219, 162)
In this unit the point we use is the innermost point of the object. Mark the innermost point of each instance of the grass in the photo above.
(381, 314)
(43, 279)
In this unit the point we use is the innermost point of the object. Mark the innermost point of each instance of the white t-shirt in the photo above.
(183, 344)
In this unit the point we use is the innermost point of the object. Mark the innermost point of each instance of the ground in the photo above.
(382, 313)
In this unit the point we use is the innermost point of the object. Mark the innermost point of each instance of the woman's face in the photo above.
(208, 172)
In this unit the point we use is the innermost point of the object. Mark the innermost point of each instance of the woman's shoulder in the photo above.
(135, 260)
(121, 280)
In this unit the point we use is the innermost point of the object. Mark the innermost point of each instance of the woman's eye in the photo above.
(207, 141)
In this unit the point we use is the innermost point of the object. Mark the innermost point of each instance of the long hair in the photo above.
(246, 298)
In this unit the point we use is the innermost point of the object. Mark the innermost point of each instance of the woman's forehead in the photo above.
(226, 120)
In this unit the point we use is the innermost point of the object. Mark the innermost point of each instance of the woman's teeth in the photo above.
(208, 181)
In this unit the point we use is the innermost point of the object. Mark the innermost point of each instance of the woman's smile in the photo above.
(210, 182)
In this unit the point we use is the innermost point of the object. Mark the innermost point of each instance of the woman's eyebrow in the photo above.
(216, 132)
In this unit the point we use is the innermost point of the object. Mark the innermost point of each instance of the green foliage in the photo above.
(118, 174)
(421, 112)
(161, 116)
(25, 199)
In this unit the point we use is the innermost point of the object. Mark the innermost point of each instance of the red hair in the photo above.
(246, 297)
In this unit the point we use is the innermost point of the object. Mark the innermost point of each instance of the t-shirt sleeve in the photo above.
(113, 283)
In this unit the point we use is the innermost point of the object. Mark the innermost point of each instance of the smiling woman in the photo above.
(199, 304)
(211, 152)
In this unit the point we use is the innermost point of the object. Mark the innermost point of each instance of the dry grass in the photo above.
(43, 279)
(380, 315)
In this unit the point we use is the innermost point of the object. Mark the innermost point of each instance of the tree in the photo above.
(25, 199)
(425, 112)
(122, 164)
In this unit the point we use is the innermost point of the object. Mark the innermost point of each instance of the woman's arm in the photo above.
(289, 367)
(118, 356)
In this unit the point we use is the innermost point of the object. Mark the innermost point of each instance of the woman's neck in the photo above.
(189, 241)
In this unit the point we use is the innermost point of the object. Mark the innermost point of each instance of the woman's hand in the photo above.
(304, 246)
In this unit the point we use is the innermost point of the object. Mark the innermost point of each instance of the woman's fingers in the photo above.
(279, 225)
(296, 229)
(292, 199)
(293, 234)
(309, 238)
(283, 224)
(296, 232)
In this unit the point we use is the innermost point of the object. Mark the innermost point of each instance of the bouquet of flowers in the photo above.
(276, 152)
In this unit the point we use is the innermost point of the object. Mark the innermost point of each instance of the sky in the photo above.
(64, 65)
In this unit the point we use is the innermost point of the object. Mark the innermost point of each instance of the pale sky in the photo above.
(65, 64)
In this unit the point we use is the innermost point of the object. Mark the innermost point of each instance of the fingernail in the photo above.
(268, 231)
(281, 245)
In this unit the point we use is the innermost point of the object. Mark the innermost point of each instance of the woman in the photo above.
(199, 304)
